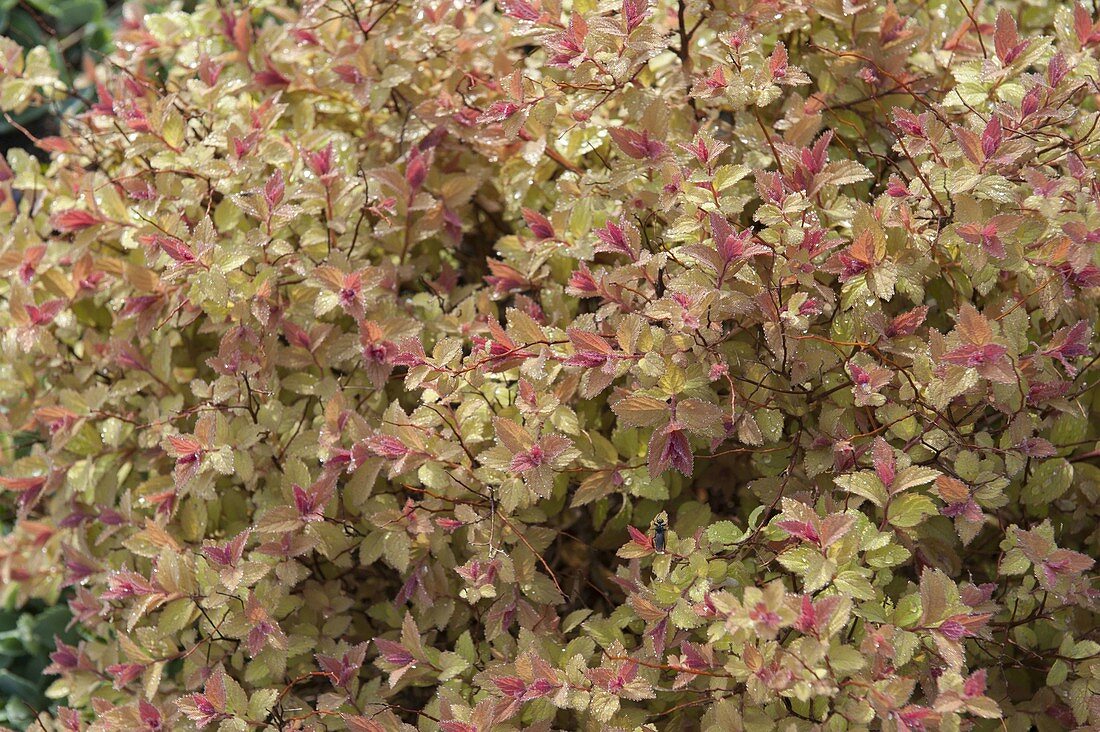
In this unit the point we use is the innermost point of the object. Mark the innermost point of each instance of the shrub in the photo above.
(26, 640)
(465, 367)
(65, 30)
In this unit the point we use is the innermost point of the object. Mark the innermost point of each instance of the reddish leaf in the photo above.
(20, 485)
(634, 13)
(638, 145)
(511, 686)
(520, 10)
(907, 323)
(640, 538)
(394, 653)
(885, 463)
(540, 225)
(274, 189)
(75, 220)
(777, 63)
(45, 313)
(1006, 39)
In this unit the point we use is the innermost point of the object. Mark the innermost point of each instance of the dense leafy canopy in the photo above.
(716, 365)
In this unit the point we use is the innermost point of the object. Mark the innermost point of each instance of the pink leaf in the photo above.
(885, 465)
(498, 112)
(668, 447)
(124, 673)
(528, 460)
(907, 323)
(971, 355)
(634, 13)
(416, 171)
(452, 725)
(274, 189)
(511, 686)
(970, 144)
(582, 283)
(271, 76)
(1057, 70)
(540, 225)
(1006, 40)
(394, 653)
(520, 10)
(1070, 342)
(20, 485)
(1036, 447)
(74, 220)
(975, 684)
(614, 239)
(640, 538)
(896, 188)
(45, 313)
(176, 249)
(149, 714)
(801, 529)
(638, 145)
(985, 236)
(807, 618)
(320, 161)
(992, 136)
(230, 554)
(777, 63)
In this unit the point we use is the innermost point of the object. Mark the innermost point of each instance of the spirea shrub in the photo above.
(600, 366)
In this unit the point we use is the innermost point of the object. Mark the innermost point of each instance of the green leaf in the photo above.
(854, 584)
(1049, 481)
(908, 611)
(261, 703)
(888, 556)
(452, 664)
(909, 510)
(770, 422)
(603, 705)
(1059, 672)
(724, 532)
(865, 484)
(176, 616)
(809, 564)
(727, 175)
(912, 477)
(19, 688)
(1084, 649)
(845, 660)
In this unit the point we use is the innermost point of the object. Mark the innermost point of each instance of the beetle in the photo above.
(660, 529)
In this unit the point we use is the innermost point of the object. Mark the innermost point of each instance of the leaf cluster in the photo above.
(527, 365)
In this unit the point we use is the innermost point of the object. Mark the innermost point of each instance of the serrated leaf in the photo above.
(908, 510)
